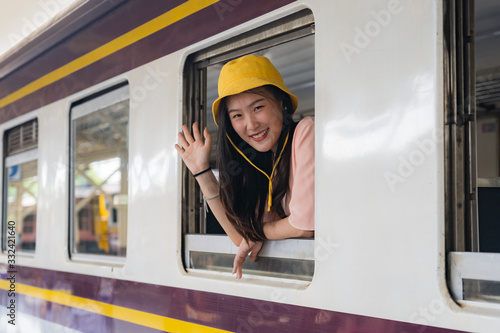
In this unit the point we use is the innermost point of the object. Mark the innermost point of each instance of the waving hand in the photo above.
(194, 151)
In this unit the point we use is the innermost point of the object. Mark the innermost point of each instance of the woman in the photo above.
(265, 159)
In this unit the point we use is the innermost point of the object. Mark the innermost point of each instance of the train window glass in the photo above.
(99, 174)
(21, 187)
(475, 234)
(289, 44)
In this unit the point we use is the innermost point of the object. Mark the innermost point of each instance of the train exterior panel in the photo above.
(379, 250)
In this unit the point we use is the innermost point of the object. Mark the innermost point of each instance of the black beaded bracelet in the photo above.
(199, 173)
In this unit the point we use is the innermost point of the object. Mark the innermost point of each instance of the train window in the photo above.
(21, 187)
(474, 155)
(289, 44)
(99, 174)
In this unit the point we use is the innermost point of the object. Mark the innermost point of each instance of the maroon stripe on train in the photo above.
(226, 312)
(198, 26)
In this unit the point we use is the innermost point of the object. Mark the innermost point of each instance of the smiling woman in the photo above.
(257, 133)
(263, 141)
(251, 157)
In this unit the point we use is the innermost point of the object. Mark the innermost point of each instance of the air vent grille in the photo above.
(22, 137)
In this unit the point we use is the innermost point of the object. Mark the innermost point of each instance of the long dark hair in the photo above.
(244, 189)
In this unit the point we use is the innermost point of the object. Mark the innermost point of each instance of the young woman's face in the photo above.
(257, 119)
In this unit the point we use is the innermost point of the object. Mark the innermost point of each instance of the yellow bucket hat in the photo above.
(246, 73)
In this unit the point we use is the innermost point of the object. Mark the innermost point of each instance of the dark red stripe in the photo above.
(203, 24)
(226, 312)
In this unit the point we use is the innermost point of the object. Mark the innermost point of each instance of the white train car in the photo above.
(104, 230)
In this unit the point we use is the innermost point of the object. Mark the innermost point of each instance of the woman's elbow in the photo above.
(300, 233)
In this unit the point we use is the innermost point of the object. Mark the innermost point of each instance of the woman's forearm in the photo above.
(210, 187)
(282, 229)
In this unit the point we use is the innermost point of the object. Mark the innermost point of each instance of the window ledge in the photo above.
(293, 248)
(480, 266)
(98, 259)
(284, 260)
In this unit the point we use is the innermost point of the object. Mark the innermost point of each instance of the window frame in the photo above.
(25, 155)
(464, 259)
(81, 108)
(287, 29)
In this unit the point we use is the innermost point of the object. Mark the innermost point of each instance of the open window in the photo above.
(289, 44)
(473, 150)
(21, 187)
(99, 174)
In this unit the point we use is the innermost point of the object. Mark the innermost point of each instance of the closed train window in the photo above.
(289, 44)
(473, 193)
(99, 174)
(21, 187)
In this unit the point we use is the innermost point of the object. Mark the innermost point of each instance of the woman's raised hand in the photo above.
(195, 151)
